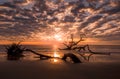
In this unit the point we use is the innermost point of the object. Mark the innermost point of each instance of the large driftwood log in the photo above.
(41, 55)
(73, 57)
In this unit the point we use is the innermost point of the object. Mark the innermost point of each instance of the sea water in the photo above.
(48, 48)
(52, 50)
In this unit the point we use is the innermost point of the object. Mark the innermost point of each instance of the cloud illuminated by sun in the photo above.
(58, 37)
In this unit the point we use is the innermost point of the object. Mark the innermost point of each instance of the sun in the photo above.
(58, 37)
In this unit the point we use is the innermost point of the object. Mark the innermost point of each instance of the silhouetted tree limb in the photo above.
(71, 44)
(41, 55)
(15, 51)
(86, 47)
(73, 57)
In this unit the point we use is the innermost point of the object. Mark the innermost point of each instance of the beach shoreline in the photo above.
(31, 67)
(47, 70)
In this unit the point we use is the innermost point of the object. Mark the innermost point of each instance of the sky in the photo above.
(55, 20)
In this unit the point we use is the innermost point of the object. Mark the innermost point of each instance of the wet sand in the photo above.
(99, 67)
(47, 70)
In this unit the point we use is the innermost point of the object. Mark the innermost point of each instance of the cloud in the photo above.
(39, 19)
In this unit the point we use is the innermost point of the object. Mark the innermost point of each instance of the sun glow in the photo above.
(56, 55)
(58, 37)
(55, 60)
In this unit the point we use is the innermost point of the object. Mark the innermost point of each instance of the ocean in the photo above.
(48, 48)
(52, 50)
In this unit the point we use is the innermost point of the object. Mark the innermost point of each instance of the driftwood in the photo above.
(72, 44)
(86, 47)
(73, 57)
(41, 55)
(15, 52)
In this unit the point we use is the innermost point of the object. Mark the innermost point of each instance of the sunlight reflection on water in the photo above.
(55, 61)
(55, 52)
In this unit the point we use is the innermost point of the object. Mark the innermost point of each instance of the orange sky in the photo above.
(90, 41)
(28, 20)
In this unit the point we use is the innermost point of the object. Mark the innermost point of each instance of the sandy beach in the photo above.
(31, 67)
(47, 69)
(59, 39)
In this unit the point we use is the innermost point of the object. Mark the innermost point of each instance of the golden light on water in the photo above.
(56, 55)
(55, 60)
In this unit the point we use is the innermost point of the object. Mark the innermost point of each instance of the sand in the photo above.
(48, 70)
(99, 67)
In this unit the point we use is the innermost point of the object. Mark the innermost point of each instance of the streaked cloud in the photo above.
(40, 19)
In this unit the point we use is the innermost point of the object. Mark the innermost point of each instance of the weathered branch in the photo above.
(91, 52)
(41, 55)
(66, 45)
(76, 43)
(72, 43)
(74, 58)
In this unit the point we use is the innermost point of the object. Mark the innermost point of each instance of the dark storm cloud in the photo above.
(26, 17)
